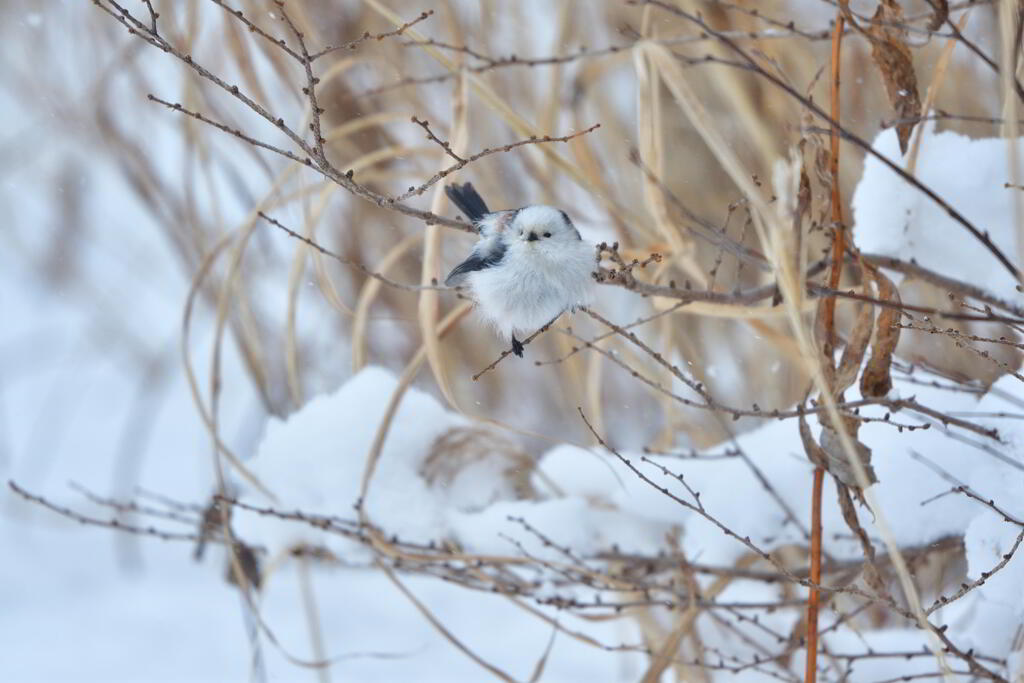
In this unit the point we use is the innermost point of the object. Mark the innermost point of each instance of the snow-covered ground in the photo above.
(92, 392)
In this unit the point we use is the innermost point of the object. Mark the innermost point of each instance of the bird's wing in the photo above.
(479, 260)
(468, 201)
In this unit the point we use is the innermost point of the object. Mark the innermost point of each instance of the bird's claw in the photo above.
(517, 347)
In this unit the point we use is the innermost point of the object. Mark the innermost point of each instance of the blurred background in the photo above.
(132, 250)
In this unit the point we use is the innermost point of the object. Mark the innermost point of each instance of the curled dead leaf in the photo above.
(877, 378)
(811, 447)
(892, 57)
(838, 465)
(853, 354)
(872, 577)
(941, 8)
(831, 456)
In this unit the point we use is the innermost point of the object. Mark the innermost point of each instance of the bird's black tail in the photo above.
(468, 201)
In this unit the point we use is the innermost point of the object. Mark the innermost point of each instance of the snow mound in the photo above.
(314, 462)
(894, 218)
(592, 502)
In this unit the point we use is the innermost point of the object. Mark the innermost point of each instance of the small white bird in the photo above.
(529, 266)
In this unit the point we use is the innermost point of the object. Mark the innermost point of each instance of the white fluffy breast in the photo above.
(534, 283)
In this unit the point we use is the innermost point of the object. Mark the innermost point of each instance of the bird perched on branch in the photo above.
(529, 266)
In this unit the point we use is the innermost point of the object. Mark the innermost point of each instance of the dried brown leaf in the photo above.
(803, 204)
(838, 465)
(892, 57)
(811, 447)
(941, 8)
(872, 577)
(853, 354)
(876, 379)
(831, 456)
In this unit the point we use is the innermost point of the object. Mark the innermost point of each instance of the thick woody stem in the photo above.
(838, 247)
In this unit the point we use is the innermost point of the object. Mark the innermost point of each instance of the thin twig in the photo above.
(349, 262)
(462, 163)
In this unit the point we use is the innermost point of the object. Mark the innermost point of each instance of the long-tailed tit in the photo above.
(529, 266)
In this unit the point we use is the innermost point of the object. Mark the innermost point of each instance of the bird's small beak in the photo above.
(532, 237)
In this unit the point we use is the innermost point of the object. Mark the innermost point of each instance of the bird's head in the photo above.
(541, 229)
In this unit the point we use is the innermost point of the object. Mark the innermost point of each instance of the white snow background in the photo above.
(86, 604)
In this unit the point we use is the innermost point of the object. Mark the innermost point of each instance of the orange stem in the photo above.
(829, 312)
(811, 670)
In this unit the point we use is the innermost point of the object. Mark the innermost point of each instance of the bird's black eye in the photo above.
(547, 234)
